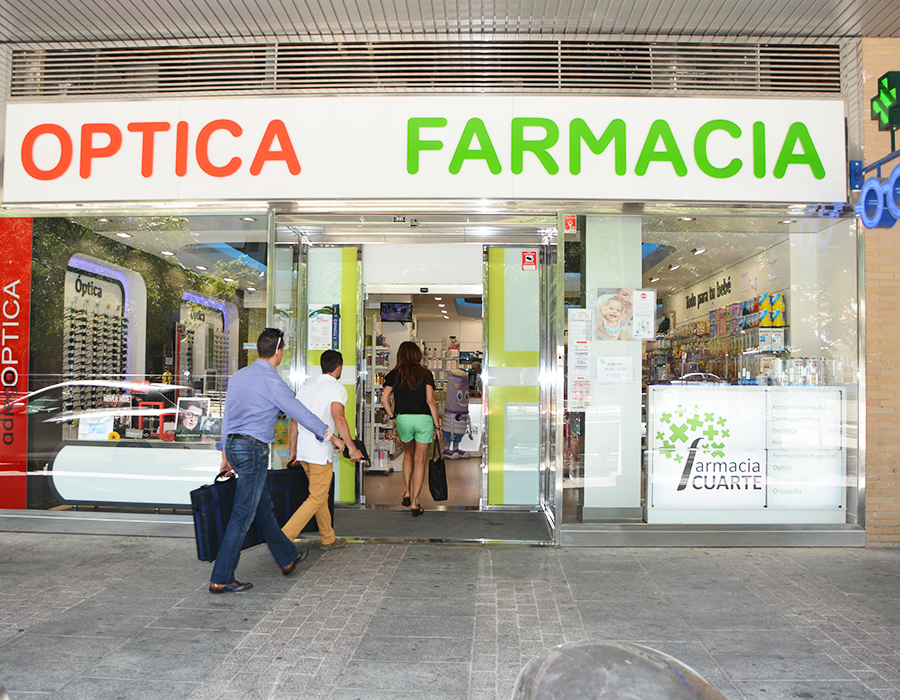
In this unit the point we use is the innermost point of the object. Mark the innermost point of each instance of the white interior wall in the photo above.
(469, 332)
(766, 272)
(415, 263)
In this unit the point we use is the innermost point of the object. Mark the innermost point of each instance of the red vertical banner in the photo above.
(15, 317)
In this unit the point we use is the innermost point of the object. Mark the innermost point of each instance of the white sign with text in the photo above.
(720, 446)
(573, 147)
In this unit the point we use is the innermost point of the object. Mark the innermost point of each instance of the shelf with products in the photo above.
(381, 436)
(442, 363)
(741, 342)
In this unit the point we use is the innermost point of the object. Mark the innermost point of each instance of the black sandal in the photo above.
(416, 512)
(406, 501)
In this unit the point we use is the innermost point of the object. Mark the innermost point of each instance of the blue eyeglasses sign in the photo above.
(878, 205)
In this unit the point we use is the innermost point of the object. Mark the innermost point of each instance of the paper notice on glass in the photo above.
(323, 327)
(579, 393)
(615, 370)
(578, 372)
(579, 325)
(643, 324)
(580, 357)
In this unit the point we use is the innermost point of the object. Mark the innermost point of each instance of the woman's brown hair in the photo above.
(409, 365)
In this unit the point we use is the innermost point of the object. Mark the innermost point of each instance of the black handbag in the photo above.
(437, 475)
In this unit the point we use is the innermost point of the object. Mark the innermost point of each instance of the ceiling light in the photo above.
(166, 252)
(654, 279)
(441, 305)
(201, 267)
(247, 218)
(698, 251)
(251, 289)
(122, 234)
(672, 268)
(786, 221)
(438, 298)
(685, 218)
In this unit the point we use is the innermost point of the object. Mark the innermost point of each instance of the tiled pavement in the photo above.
(114, 617)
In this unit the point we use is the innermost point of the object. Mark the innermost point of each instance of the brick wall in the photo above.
(882, 265)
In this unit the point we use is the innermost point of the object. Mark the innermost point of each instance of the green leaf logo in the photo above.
(688, 426)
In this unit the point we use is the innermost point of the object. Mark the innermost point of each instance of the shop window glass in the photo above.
(137, 323)
(743, 405)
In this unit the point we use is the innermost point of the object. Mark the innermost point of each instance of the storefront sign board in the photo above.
(15, 307)
(434, 146)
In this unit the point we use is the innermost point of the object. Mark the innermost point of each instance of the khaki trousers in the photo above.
(320, 476)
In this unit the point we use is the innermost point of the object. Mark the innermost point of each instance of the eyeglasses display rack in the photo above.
(95, 338)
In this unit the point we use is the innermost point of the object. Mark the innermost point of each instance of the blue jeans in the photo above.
(251, 501)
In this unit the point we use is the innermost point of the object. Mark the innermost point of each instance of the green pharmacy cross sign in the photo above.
(885, 108)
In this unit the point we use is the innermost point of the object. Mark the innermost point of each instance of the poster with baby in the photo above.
(614, 317)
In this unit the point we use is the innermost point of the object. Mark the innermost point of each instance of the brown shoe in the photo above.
(337, 544)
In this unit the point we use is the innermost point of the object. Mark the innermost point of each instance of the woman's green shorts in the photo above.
(418, 427)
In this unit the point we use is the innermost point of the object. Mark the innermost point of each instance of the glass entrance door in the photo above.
(515, 458)
(515, 430)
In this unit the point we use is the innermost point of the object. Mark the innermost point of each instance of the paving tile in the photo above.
(159, 666)
(374, 648)
(232, 619)
(811, 689)
(756, 666)
(365, 694)
(396, 676)
(39, 675)
(93, 622)
(112, 689)
(421, 625)
(757, 641)
(186, 640)
(31, 648)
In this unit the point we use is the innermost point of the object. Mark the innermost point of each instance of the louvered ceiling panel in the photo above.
(38, 22)
(525, 66)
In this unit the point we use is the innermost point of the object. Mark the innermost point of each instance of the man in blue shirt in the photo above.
(256, 394)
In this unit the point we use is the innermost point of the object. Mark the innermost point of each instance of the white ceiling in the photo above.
(196, 240)
(250, 21)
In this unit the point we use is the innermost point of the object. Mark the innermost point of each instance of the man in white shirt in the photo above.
(326, 397)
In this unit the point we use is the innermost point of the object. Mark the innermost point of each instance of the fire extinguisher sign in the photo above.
(529, 260)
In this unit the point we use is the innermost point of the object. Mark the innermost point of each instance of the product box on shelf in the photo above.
(777, 339)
